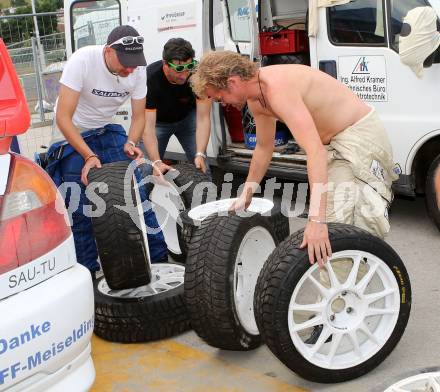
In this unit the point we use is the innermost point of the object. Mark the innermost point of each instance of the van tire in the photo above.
(140, 319)
(188, 174)
(431, 193)
(211, 265)
(283, 275)
(121, 246)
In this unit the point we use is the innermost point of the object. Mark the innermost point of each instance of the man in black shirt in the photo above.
(173, 109)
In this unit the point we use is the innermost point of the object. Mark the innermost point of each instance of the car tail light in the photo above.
(32, 215)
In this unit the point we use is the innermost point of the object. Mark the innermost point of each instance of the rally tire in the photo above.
(121, 245)
(431, 194)
(209, 279)
(282, 275)
(142, 319)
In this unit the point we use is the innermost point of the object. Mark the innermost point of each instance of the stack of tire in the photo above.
(135, 300)
(247, 281)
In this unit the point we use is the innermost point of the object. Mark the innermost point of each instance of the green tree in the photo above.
(18, 3)
(21, 28)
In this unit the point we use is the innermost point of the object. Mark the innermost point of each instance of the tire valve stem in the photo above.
(349, 310)
(332, 317)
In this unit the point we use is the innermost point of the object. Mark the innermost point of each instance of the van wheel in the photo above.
(188, 186)
(432, 195)
(337, 323)
(120, 239)
(225, 256)
(151, 312)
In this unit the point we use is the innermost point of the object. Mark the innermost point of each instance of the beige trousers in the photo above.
(360, 174)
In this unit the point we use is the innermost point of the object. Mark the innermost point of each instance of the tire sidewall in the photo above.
(244, 226)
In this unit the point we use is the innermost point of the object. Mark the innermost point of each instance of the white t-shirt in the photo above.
(101, 93)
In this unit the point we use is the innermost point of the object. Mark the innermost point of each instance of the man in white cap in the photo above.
(95, 82)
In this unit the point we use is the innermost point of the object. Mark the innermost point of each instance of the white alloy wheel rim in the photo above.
(258, 205)
(165, 277)
(355, 317)
(253, 252)
(167, 205)
(424, 382)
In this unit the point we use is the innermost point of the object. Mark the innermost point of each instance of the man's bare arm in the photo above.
(150, 143)
(203, 131)
(136, 129)
(67, 103)
(203, 124)
(261, 157)
(291, 109)
(149, 136)
(294, 113)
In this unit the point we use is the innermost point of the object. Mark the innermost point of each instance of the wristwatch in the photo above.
(200, 154)
(131, 142)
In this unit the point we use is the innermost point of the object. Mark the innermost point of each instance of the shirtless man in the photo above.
(346, 145)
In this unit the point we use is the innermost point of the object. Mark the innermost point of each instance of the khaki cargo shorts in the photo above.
(360, 174)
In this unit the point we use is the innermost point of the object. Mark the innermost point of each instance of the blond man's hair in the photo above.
(215, 68)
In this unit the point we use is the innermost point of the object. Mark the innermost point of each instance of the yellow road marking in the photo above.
(169, 366)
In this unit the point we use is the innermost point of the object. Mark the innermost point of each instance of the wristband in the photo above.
(314, 220)
(132, 143)
(91, 156)
(156, 161)
(200, 154)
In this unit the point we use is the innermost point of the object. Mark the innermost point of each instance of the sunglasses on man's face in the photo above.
(128, 41)
(183, 67)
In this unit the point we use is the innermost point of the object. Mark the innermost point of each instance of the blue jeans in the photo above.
(66, 166)
(185, 132)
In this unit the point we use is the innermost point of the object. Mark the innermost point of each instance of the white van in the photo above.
(356, 42)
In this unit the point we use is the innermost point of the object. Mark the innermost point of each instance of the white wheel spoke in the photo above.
(153, 289)
(172, 275)
(362, 285)
(336, 341)
(380, 311)
(398, 389)
(317, 320)
(322, 290)
(325, 333)
(434, 384)
(355, 342)
(161, 285)
(351, 279)
(312, 308)
(123, 293)
(371, 298)
(335, 284)
(363, 327)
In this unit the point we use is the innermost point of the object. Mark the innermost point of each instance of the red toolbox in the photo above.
(284, 42)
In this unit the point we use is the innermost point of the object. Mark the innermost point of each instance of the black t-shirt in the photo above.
(172, 102)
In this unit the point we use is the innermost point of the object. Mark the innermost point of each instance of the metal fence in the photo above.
(38, 58)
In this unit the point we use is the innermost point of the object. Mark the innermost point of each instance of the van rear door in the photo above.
(359, 43)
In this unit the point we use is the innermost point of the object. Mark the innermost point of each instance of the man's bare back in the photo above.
(333, 106)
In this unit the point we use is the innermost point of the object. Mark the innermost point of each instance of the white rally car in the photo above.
(46, 297)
